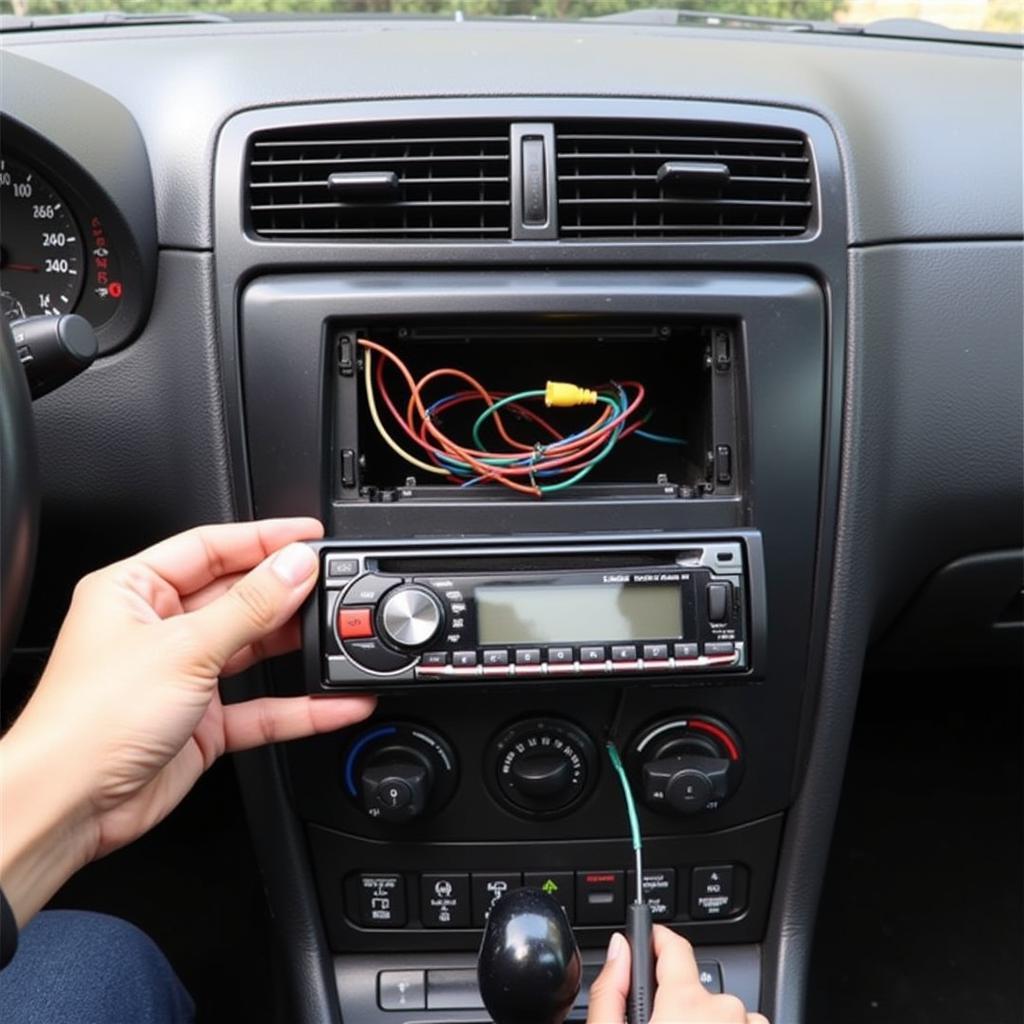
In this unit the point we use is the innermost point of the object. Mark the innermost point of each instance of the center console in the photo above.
(671, 600)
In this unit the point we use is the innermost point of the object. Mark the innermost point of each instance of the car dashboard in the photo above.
(807, 249)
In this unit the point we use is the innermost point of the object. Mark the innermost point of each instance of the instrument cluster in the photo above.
(65, 246)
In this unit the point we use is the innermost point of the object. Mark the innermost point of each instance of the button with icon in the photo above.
(488, 888)
(444, 900)
(560, 885)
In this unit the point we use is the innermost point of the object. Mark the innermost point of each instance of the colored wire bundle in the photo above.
(535, 468)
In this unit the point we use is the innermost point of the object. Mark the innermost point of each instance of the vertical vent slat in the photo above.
(453, 182)
(608, 186)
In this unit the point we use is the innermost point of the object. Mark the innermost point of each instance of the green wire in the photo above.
(492, 409)
(634, 823)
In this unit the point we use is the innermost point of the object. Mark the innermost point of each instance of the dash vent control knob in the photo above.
(410, 617)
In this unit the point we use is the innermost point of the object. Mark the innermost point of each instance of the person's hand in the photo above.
(680, 997)
(127, 715)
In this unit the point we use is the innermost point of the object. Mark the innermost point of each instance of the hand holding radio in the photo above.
(127, 715)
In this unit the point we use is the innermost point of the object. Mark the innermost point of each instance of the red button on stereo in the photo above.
(355, 623)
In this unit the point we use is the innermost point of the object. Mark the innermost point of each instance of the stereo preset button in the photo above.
(495, 658)
(559, 655)
(381, 901)
(444, 901)
(591, 655)
(487, 890)
(711, 892)
(623, 652)
(355, 623)
(464, 659)
(717, 649)
(369, 589)
(600, 897)
(434, 659)
(685, 651)
(559, 885)
(655, 652)
(528, 656)
(402, 990)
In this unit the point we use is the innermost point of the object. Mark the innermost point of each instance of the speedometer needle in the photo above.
(29, 267)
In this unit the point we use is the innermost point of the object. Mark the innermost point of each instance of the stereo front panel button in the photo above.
(528, 656)
(381, 901)
(340, 567)
(600, 897)
(591, 655)
(464, 659)
(623, 652)
(717, 649)
(718, 602)
(444, 900)
(369, 589)
(685, 651)
(495, 658)
(655, 652)
(560, 655)
(355, 623)
(434, 659)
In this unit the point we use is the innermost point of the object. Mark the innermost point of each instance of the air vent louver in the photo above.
(608, 180)
(453, 182)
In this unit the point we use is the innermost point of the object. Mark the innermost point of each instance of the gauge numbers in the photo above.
(42, 257)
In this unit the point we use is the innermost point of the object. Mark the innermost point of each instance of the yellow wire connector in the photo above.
(564, 396)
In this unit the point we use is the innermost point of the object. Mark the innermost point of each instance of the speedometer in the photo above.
(42, 257)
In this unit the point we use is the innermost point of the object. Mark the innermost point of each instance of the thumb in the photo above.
(611, 987)
(259, 603)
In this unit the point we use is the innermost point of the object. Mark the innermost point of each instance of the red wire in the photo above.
(565, 456)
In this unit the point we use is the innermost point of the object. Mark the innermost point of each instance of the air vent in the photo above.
(669, 179)
(422, 180)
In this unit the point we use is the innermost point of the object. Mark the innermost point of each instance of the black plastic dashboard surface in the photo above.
(930, 144)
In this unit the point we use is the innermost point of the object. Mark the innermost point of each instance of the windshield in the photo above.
(1002, 16)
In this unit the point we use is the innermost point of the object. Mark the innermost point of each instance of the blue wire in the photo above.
(660, 438)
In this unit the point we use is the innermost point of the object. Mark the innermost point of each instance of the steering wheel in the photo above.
(19, 493)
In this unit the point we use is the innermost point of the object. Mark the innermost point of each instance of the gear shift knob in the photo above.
(529, 964)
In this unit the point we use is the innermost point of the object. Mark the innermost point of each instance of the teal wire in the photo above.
(492, 409)
(620, 771)
(617, 408)
(660, 438)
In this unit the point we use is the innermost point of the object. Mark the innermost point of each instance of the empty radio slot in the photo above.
(534, 408)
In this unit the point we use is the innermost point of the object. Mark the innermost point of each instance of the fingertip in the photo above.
(616, 947)
(294, 564)
(331, 713)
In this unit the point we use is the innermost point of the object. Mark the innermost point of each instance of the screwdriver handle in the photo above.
(640, 933)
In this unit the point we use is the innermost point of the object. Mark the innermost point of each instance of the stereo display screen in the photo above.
(576, 613)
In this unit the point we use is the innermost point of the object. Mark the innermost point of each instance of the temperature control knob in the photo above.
(410, 617)
(398, 771)
(544, 766)
(687, 765)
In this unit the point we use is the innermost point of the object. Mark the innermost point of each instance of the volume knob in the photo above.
(410, 617)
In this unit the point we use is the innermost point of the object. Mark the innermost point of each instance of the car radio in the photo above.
(383, 617)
